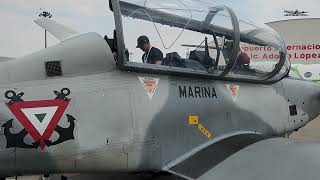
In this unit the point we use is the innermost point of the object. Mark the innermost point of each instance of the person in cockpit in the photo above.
(242, 65)
(243, 59)
(152, 55)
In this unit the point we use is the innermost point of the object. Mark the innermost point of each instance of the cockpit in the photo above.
(197, 39)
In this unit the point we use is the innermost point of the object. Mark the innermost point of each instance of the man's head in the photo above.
(243, 58)
(143, 43)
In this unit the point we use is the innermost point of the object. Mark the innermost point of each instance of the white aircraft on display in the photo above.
(309, 72)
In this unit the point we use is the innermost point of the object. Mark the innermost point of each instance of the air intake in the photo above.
(53, 68)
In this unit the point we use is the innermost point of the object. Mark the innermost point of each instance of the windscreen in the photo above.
(262, 53)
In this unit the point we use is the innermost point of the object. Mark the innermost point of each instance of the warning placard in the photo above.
(149, 85)
(234, 90)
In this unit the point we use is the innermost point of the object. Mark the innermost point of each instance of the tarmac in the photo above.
(310, 132)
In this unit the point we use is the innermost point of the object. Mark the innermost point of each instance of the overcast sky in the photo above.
(21, 36)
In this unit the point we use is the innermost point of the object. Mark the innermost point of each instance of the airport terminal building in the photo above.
(302, 39)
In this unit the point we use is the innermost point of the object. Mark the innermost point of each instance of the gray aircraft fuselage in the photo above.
(119, 128)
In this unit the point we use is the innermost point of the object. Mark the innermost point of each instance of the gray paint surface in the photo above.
(120, 129)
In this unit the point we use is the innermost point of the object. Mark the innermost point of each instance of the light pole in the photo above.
(45, 14)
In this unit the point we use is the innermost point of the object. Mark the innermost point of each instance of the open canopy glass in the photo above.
(198, 39)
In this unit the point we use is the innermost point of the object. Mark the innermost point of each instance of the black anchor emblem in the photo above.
(65, 134)
(64, 92)
(16, 140)
(13, 96)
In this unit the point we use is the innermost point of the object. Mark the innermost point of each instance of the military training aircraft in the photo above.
(195, 109)
(295, 13)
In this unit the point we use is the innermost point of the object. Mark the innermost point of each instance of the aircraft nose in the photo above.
(315, 102)
(303, 100)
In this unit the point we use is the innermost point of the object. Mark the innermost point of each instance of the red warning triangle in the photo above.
(40, 129)
(149, 85)
(234, 90)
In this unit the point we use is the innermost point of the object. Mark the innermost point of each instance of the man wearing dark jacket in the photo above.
(152, 55)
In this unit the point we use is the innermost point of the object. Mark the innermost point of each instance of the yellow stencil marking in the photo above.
(204, 131)
(193, 120)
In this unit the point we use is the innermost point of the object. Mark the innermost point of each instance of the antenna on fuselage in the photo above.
(45, 14)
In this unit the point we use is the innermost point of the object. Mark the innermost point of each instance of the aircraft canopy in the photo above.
(198, 39)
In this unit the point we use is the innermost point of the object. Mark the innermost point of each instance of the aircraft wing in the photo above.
(58, 30)
(270, 159)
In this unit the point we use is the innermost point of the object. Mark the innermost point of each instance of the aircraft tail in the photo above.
(59, 31)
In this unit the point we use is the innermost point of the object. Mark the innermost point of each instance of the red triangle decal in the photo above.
(17, 107)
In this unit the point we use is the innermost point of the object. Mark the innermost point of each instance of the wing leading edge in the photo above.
(275, 158)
